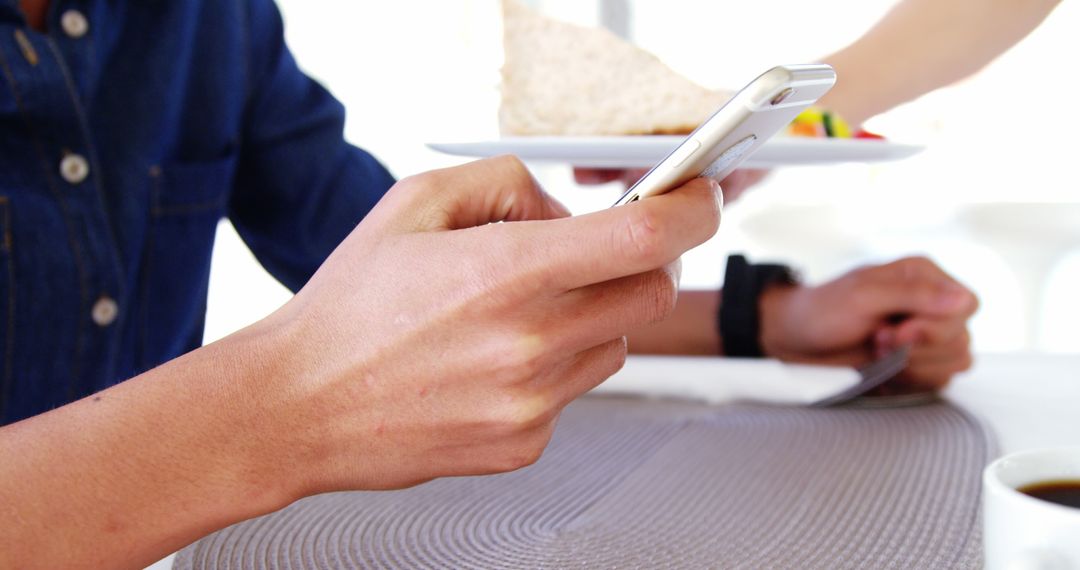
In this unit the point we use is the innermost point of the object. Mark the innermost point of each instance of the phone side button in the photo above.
(684, 152)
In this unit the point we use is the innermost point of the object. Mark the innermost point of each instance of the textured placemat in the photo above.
(652, 484)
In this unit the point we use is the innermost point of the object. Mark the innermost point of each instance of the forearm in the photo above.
(126, 476)
(922, 45)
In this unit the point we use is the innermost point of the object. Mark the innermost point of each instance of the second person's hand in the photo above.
(871, 311)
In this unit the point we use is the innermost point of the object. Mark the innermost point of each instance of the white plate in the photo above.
(644, 151)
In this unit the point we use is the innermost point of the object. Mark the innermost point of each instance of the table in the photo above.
(1029, 400)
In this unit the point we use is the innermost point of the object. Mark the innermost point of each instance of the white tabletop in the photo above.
(1029, 400)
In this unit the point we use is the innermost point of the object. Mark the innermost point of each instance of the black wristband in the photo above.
(739, 320)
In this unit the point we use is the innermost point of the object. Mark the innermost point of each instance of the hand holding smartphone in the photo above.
(751, 117)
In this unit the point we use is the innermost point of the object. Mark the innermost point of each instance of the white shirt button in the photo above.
(105, 311)
(74, 168)
(74, 24)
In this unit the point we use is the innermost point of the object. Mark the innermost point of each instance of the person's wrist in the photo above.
(265, 363)
(740, 318)
(841, 99)
(773, 306)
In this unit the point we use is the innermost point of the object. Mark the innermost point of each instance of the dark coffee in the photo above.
(1061, 492)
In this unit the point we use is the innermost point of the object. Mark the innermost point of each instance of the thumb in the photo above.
(909, 287)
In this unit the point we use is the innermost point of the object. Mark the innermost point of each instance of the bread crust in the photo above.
(563, 79)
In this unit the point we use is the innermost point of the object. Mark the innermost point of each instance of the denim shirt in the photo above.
(127, 131)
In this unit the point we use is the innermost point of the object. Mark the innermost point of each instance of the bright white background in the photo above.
(995, 198)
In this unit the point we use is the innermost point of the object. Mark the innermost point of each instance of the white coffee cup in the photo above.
(1022, 532)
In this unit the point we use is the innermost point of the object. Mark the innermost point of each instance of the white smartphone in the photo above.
(737, 129)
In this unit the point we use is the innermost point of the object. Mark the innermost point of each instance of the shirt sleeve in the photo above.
(300, 188)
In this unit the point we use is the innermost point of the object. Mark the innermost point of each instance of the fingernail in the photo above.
(676, 270)
(954, 286)
(718, 192)
(884, 337)
(952, 298)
